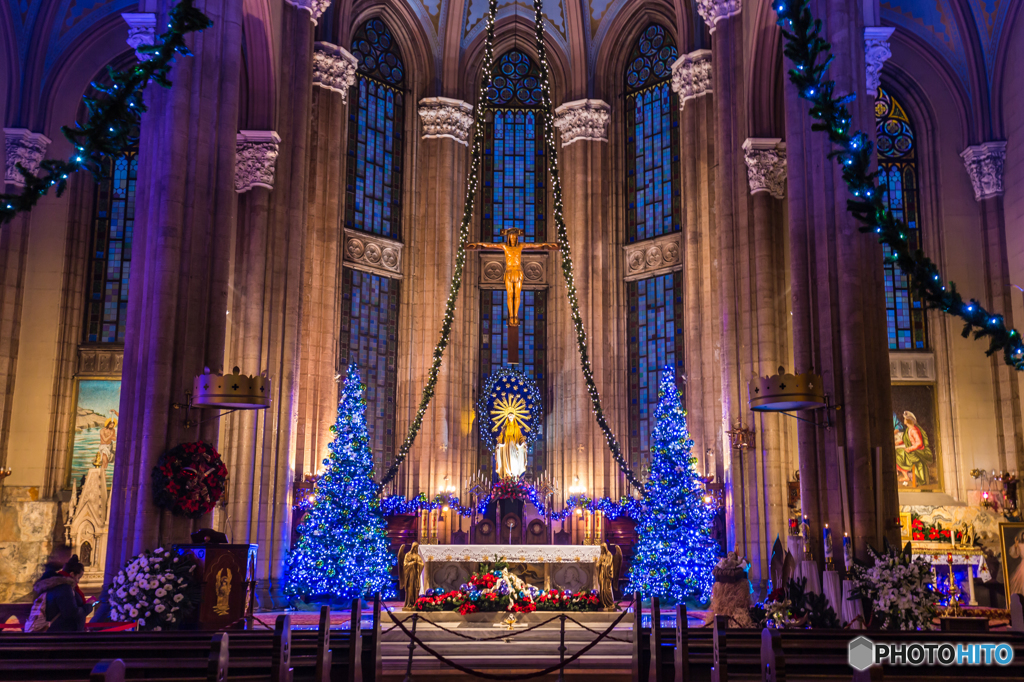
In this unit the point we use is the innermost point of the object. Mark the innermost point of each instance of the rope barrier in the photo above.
(476, 639)
(595, 632)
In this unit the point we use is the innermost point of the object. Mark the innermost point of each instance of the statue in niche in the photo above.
(412, 568)
(510, 416)
(513, 249)
(85, 553)
(223, 584)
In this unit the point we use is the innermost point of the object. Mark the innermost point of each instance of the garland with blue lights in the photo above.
(675, 551)
(810, 55)
(112, 127)
(342, 553)
(396, 505)
(508, 383)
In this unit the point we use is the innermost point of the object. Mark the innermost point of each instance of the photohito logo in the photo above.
(864, 653)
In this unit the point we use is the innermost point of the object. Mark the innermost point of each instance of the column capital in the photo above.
(984, 163)
(256, 158)
(713, 11)
(766, 165)
(24, 147)
(583, 119)
(445, 117)
(314, 7)
(334, 68)
(876, 52)
(691, 75)
(141, 31)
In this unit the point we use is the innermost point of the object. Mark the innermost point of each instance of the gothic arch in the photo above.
(415, 45)
(613, 53)
(765, 75)
(257, 108)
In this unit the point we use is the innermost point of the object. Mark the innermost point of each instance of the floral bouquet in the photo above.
(155, 589)
(555, 600)
(898, 588)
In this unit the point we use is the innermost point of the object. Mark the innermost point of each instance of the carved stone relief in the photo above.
(492, 270)
(373, 253)
(911, 366)
(653, 257)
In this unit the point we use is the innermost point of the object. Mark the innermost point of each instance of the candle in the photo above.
(805, 534)
(827, 543)
(847, 552)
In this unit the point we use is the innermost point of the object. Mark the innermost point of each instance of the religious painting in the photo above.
(1011, 539)
(915, 432)
(906, 527)
(94, 436)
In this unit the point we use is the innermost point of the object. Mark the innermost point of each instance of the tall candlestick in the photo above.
(847, 552)
(826, 542)
(805, 535)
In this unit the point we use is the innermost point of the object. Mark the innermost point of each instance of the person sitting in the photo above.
(60, 605)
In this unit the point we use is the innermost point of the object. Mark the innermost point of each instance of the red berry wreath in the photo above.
(189, 479)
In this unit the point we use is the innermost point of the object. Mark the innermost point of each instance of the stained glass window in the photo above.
(655, 324)
(532, 349)
(515, 173)
(897, 176)
(369, 337)
(106, 305)
(375, 136)
(653, 196)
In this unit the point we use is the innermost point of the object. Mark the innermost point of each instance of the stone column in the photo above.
(176, 315)
(984, 163)
(446, 445)
(577, 444)
(839, 313)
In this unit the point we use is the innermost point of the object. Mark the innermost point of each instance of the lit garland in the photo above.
(112, 128)
(460, 254)
(804, 47)
(396, 505)
(563, 244)
(508, 382)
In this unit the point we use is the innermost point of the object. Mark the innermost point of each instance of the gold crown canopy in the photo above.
(231, 391)
(784, 392)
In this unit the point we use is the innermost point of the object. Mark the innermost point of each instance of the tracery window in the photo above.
(515, 172)
(375, 133)
(653, 196)
(532, 349)
(655, 324)
(369, 338)
(897, 176)
(106, 306)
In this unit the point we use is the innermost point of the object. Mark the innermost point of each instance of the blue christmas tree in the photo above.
(676, 551)
(343, 549)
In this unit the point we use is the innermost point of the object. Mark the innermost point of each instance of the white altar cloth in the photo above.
(518, 554)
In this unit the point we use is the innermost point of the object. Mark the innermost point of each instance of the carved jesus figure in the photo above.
(513, 266)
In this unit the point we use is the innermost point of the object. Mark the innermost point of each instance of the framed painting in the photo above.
(1011, 540)
(916, 436)
(94, 431)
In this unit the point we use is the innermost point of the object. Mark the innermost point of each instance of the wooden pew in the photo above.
(108, 671)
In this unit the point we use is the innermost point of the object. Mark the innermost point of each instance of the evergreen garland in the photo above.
(112, 128)
(810, 55)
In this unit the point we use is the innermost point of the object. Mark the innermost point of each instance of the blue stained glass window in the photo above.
(515, 172)
(369, 337)
(655, 324)
(532, 349)
(653, 194)
(113, 221)
(375, 135)
(897, 177)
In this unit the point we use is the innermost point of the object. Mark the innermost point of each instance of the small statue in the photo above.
(223, 584)
(412, 569)
(608, 564)
(513, 266)
(730, 594)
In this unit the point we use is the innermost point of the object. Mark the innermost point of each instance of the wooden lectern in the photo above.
(224, 573)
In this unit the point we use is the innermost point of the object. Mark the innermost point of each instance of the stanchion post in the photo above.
(561, 650)
(412, 647)
(682, 653)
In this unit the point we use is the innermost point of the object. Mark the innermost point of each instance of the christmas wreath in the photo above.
(189, 479)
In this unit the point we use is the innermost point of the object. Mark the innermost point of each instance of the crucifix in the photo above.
(513, 249)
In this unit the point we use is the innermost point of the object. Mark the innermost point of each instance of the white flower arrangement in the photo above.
(899, 588)
(152, 590)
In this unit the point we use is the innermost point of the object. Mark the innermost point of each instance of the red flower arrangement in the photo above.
(511, 489)
(919, 530)
(189, 479)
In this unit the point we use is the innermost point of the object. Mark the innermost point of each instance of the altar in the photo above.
(562, 567)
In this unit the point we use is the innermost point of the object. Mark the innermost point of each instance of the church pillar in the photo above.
(578, 446)
(445, 452)
(984, 163)
(179, 280)
(839, 314)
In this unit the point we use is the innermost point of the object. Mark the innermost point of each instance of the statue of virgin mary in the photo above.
(510, 455)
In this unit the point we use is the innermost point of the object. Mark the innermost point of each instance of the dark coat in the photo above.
(64, 606)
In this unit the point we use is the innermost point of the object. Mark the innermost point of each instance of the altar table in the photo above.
(565, 567)
(937, 554)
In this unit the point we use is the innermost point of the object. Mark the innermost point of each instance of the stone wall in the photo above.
(30, 529)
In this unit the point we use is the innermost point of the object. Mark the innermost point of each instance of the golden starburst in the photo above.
(509, 407)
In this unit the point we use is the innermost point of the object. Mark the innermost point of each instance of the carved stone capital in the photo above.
(584, 119)
(766, 165)
(911, 366)
(373, 253)
(714, 11)
(653, 256)
(141, 31)
(334, 68)
(24, 147)
(99, 361)
(256, 157)
(876, 52)
(691, 75)
(444, 117)
(314, 7)
(492, 270)
(984, 164)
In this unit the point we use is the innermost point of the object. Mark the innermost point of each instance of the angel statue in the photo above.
(411, 568)
(509, 416)
(513, 266)
(608, 565)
